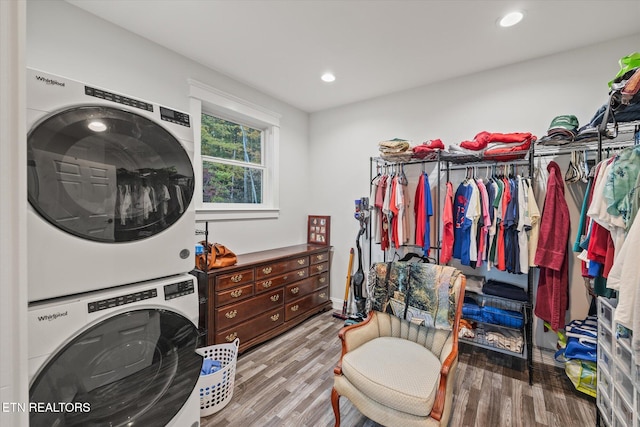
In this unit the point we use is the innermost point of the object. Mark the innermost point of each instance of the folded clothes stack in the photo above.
(562, 130)
(495, 146)
(427, 149)
(396, 149)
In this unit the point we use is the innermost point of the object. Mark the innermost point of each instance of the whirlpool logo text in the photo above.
(50, 81)
(53, 316)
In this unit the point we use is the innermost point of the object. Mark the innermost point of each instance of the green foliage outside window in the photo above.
(226, 183)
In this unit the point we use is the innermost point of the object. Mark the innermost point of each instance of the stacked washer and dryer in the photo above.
(113, 311)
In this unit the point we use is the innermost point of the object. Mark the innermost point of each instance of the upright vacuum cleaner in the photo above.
(357, 281)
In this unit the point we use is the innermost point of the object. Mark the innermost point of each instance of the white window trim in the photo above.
(207, 99)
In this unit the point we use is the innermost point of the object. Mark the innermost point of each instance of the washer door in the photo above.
(134, 369)
(106, 174)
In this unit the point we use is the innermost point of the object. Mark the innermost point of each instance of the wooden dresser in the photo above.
(264, 294)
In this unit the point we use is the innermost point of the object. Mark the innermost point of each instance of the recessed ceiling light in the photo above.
(328, 77)
(511, 19)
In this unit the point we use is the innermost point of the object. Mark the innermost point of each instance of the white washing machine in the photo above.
(118, 357)
(110, 183)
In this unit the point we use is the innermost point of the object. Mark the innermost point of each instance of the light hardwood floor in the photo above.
(287, 382)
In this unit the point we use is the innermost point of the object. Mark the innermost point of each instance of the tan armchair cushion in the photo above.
(412, 389)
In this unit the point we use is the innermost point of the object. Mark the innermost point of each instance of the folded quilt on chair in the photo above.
(420, 293)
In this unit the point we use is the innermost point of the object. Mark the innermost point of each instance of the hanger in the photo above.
(402, 178)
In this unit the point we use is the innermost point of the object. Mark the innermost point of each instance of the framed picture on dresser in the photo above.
(318, 229)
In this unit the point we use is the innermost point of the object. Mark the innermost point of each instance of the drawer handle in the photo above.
(231, 337)
(301, 273)
(236, 278)
(322, 279)
(267, 284)
(231, 314)
(267, 270)
(275, 298)
(295, 307)
(323, 295)
(295, 290)
(275, 317)
(301, 261)
(320, 267)
(319, 257)
(236, 293)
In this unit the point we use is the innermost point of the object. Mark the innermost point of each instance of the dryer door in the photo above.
(107, 174)
(133, 369)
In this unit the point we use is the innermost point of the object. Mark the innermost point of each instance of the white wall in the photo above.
(65, 40)
(520, 98)
(13, 229)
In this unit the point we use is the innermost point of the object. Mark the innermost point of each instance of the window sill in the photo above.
(235, 214)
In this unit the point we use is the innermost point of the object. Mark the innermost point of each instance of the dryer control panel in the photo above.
(173, 116)
(121, 300)
(120, 99)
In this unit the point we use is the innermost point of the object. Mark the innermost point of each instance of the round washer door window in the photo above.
(106, 174)
(134, 369)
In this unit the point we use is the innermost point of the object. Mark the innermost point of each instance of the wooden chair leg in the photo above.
(335, 403)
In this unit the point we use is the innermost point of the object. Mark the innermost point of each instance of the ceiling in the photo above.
(282, 47)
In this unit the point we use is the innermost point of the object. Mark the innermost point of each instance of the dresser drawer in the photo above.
(264, 285)
(252, 328)
(302, 288)
(317, 258)
(319, 268)
(321, 279)
(272, 269)
(235, 313)
(226, 281)
(302, 305)
(234, 295)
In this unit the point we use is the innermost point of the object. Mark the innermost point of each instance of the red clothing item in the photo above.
(426, 148)
(608, 259)
(552, 255)
(481, 140)
(597, 249)
(511, 152)
(447, 228)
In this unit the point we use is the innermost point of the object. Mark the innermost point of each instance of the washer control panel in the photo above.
(179, 289)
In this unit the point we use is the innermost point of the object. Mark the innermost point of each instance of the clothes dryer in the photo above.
(118, 357)
(110, 184)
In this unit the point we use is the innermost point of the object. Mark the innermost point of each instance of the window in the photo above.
(235, 156)
(232, 169)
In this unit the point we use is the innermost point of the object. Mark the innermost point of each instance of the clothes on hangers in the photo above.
(610, 214)
(492, 223)
(390, 220)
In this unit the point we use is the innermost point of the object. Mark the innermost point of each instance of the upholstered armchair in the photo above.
(398, 372)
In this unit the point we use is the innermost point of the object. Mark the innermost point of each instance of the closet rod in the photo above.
(518, 162)
(546, 152)
(384, 162)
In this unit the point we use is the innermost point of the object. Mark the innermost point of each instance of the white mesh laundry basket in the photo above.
(216, 389)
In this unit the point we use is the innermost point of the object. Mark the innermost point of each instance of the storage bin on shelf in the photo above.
(216, 389)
